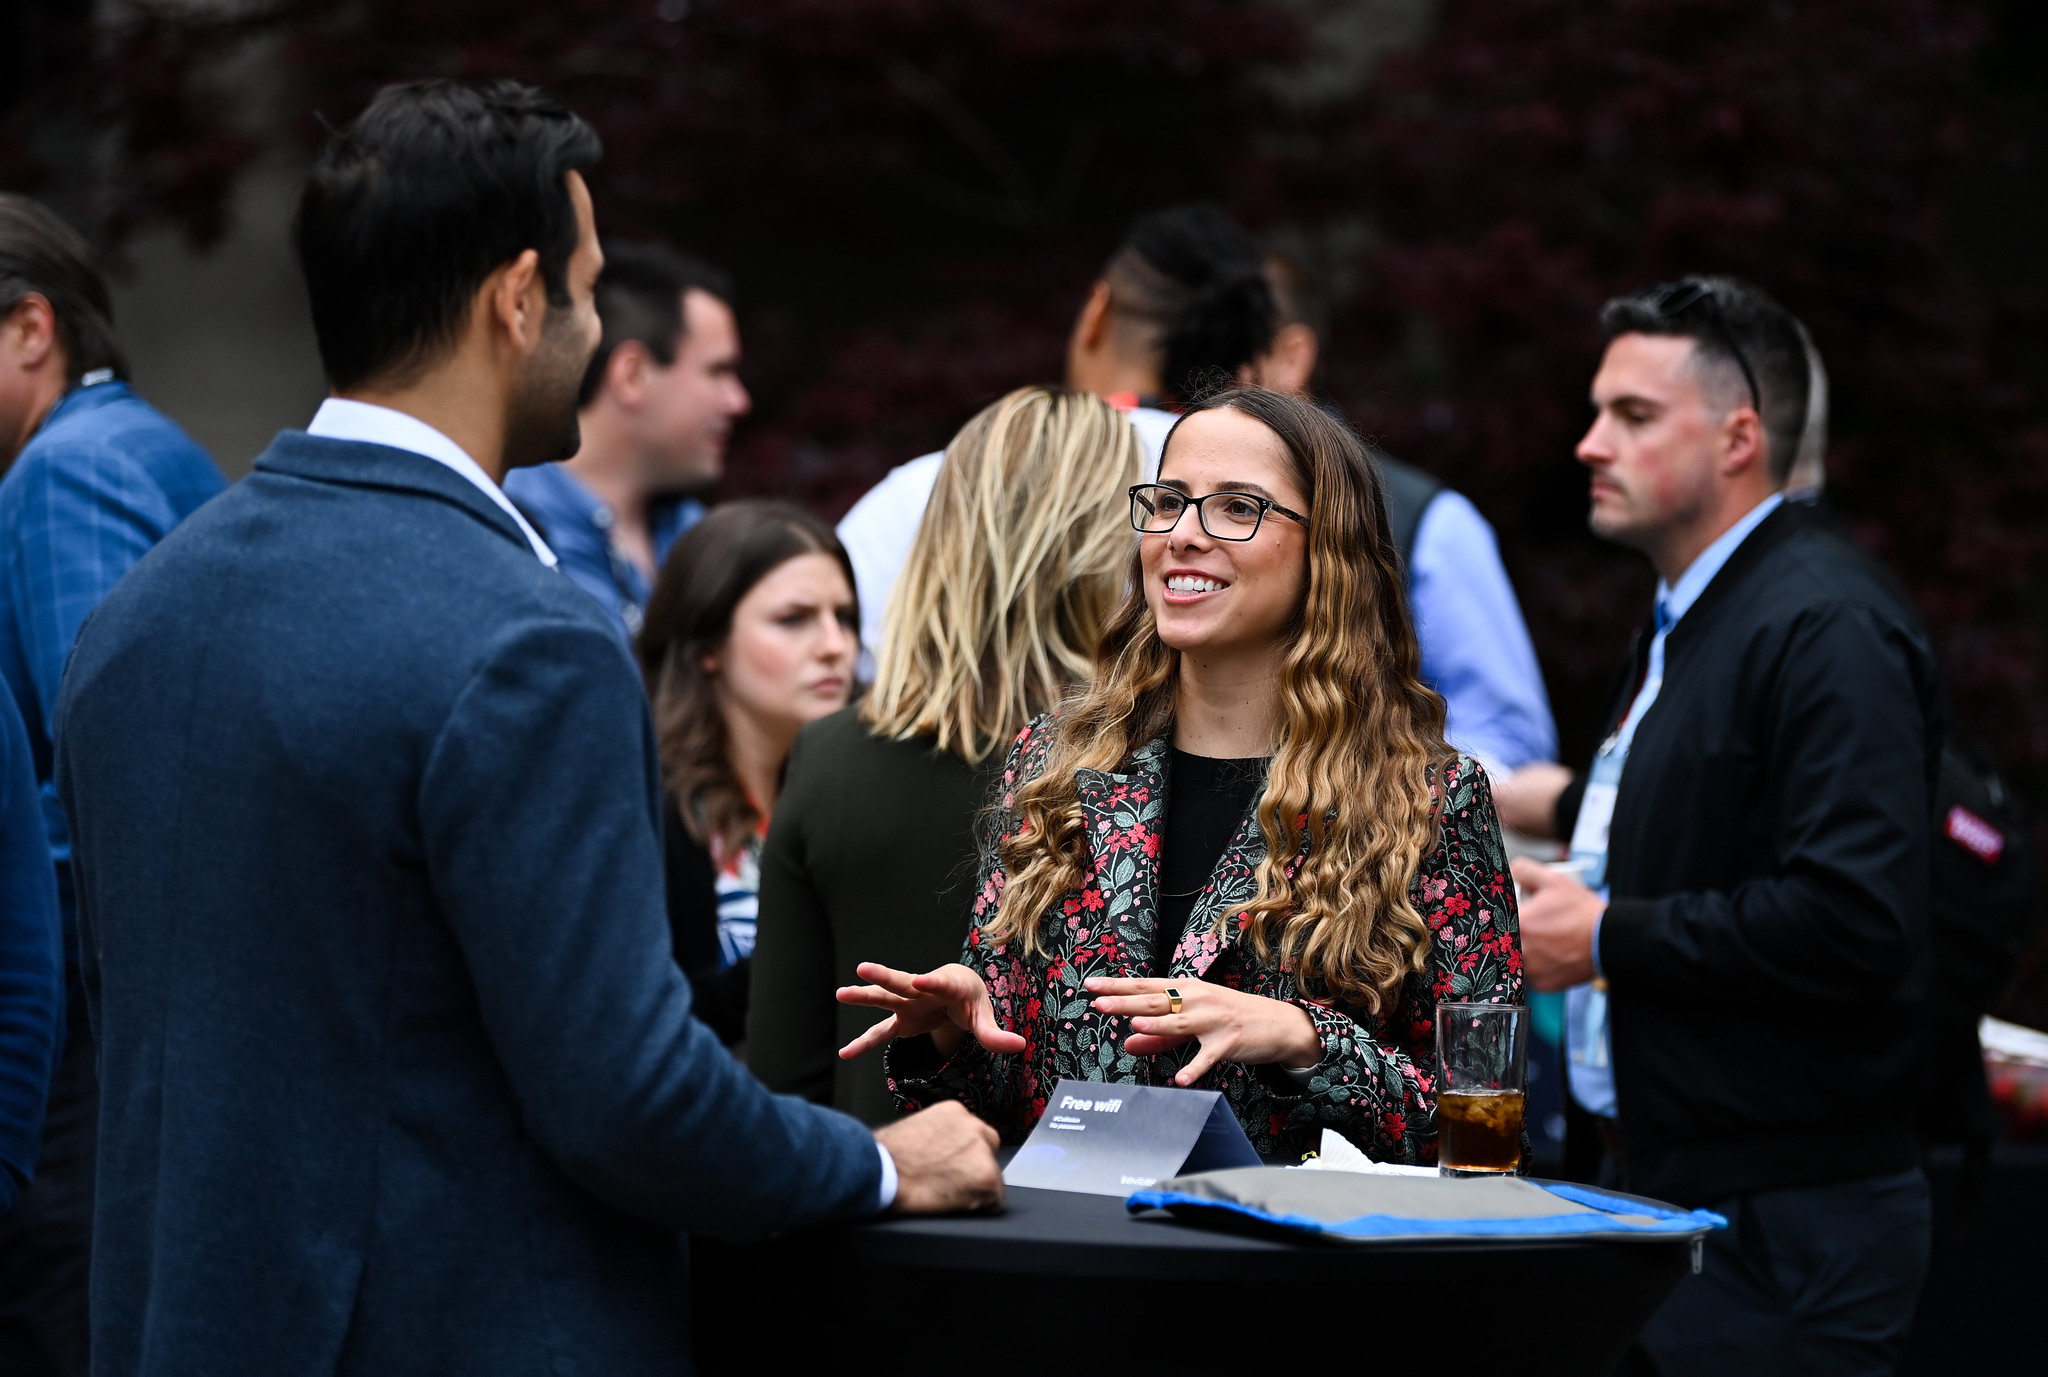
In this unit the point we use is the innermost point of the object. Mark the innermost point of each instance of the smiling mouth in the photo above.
(1193, 584)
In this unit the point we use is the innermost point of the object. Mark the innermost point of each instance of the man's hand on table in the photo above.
(945, 1161)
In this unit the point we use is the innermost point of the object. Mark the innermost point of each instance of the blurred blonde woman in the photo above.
(1016, 566)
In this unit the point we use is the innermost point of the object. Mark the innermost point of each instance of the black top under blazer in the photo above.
(398, 1074)
(1768, 866)
(870, 857)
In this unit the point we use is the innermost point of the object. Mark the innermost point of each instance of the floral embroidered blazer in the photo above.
(1373, 1082)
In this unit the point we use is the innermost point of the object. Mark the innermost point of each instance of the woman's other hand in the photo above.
(1229, 1025)
(948, 1003)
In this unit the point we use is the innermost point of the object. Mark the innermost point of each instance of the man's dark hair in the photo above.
(1742, 339)
(40, 253)
(640, 297)
(432, 189)
(1199, 279)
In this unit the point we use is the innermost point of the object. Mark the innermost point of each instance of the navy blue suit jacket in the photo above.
(398, 1073)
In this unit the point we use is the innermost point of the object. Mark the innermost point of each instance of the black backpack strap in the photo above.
(1409, 493)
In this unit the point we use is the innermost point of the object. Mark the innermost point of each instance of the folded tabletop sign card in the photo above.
(1102, 1139)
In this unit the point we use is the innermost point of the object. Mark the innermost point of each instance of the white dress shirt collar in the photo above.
(367, 423)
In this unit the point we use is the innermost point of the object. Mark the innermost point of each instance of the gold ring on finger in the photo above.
(1173, 1000)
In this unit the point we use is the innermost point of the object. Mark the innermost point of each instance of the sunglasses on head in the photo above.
(1672, 300)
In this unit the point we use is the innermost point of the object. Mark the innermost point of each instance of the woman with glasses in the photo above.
(1243, 858)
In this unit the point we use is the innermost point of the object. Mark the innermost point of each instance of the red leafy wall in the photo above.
(913, 194)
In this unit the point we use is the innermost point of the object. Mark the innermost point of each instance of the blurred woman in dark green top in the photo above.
(871, 856)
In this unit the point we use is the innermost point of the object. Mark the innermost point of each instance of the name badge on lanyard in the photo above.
(1603, 786)
(1596, 815)
(1596, 819)
(1590, 1067)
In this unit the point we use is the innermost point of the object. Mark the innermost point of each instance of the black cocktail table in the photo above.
(1061, 1283)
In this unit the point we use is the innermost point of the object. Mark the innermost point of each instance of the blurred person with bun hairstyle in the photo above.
(1016, 568)
(1243, 858)
(1183, 306)
(751, 633)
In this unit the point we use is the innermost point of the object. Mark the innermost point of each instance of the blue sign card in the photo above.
(1103, 1139)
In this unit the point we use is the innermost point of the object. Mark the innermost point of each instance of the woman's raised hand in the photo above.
(1229, 1025)
(947, 1003)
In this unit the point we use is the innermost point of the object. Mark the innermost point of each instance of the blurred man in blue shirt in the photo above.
(657, 406)
(95, 476)
(1475, 646)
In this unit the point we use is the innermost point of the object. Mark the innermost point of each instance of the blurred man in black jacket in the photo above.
(1746, 957)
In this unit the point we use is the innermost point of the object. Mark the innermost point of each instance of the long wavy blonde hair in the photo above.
(1349, 792)
(1016, 566)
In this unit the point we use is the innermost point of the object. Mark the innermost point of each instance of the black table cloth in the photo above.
(1062, 1283)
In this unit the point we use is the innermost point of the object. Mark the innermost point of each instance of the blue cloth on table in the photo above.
(1362, 1207)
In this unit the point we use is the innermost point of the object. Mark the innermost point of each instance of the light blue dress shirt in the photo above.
(579, 528)
(1475, 645)
(1588, 1058)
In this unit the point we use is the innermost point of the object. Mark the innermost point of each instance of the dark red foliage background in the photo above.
(913, 193)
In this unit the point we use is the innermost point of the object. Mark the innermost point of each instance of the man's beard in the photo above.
(540, 418)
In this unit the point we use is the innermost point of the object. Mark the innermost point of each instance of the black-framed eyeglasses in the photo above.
(1672, 300)
(1157, 509)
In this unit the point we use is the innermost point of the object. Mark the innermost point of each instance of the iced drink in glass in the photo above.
(1482, 1062)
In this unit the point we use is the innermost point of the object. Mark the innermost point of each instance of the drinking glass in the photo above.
(1482, 1062)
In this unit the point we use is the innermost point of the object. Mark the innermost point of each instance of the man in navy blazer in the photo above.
(398, 1073)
